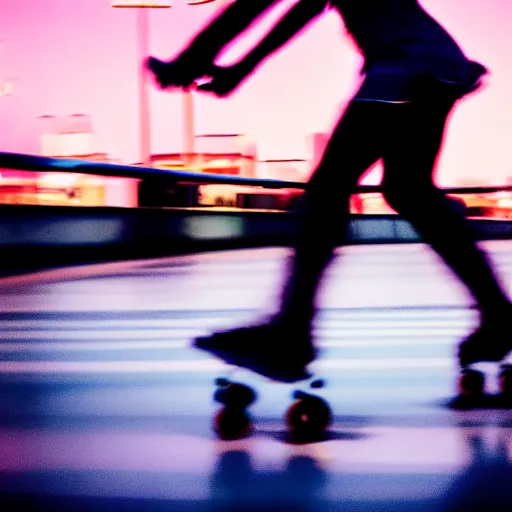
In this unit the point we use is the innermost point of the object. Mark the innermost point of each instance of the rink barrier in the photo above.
(35, 236)
(23, 162)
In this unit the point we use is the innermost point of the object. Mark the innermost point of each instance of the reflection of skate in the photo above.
(485, 483)
(307, 418)
(237, 485)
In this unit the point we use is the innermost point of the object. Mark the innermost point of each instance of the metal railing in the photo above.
(24, 162)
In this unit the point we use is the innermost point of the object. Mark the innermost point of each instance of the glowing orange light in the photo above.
(6, 88)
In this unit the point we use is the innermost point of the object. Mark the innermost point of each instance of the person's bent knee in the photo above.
(405, 196)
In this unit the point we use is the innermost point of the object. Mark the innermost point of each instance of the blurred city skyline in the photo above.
(68, 58)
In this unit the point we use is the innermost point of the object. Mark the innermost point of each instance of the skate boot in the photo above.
(490, 343)
(273, 350)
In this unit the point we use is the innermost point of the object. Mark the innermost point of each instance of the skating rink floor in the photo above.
(104, 405)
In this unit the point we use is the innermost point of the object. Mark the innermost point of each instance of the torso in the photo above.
(396, 29)
(400, 42)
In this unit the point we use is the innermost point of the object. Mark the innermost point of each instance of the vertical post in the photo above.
(188, 123)
(145, 122)
(6, 87)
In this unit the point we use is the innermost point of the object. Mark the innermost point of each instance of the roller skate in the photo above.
(260, 349)
(491, 343)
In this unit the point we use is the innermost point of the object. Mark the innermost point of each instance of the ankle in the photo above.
(294, 324)
(496, 313)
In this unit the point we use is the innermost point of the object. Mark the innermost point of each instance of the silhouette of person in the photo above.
(414, 74)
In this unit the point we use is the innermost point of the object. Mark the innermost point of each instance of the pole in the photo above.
(144, 110)
(188, 123)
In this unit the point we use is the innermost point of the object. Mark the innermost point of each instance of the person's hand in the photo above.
(181, 72)
(225, 80)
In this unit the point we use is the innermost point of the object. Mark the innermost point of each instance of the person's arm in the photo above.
(226, 79)
(231, 22)
(303, 12)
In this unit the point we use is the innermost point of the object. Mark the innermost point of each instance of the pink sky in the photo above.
(80, 57)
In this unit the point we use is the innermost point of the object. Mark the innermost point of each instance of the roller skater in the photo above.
(415, 73)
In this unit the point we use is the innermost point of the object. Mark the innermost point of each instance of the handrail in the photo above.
(24, 162)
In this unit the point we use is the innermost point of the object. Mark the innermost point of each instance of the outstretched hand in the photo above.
(225, 80)
(181, 72)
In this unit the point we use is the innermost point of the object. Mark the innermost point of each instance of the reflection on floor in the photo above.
(103, 405)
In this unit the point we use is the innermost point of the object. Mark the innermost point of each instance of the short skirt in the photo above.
(404, 82)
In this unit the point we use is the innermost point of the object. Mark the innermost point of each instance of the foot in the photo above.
(491, 342)
(271, 350)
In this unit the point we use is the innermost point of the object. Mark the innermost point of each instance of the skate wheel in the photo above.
(235, 395)
(471, 382)
(308, 417)
(231, 423)
(318, 383)
(222, 382)
(298, 394)
(506, 381)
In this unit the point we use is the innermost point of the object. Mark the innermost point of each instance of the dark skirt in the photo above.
(403, 82)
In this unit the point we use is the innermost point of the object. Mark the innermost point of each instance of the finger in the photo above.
(212, 89)
(207, 86)
(153, 64)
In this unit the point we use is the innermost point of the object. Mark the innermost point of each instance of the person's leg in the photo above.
(412, 144)
(353, 147)
(283, 347)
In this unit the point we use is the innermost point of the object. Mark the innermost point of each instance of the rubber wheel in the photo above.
(506, 382)
(232, 423)
(308, 417)
(235, 395)
(471, 382)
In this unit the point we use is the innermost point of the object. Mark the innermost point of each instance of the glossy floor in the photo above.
(103, 405)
